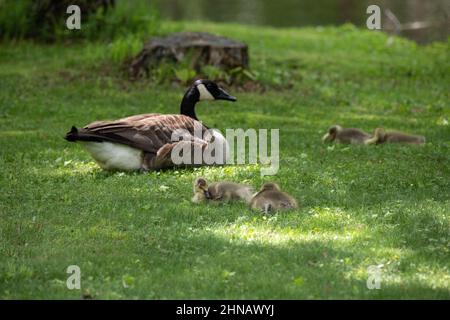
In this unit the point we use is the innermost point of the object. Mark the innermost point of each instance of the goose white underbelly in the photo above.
(112, 156)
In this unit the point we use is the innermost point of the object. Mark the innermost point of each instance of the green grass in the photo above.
(360, 206)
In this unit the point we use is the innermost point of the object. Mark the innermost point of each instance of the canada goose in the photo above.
(342, 135)
(381, 136)
(143, 142)
(223, 191)
(271, 198)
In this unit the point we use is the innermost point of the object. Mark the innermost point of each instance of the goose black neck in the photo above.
(187, 107)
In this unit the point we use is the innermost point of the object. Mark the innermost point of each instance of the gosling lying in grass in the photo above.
(220, 191)
(270, 198)
(381, 136)
(339, 134)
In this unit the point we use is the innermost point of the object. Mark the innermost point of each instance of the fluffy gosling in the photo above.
(271, 198)
(223, 191)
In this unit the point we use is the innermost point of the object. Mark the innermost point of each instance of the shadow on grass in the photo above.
(208, 266)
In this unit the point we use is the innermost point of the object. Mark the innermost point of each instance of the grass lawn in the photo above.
(138, 235)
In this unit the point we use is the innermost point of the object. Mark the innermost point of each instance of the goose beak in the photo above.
(207, 195)
(223, 95)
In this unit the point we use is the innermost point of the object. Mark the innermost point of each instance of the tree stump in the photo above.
(200, 47)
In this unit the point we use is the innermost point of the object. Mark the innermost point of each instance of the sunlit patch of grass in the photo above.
(435, 279)
(318, 225)
(73, 168)
(264, 235)
(392, 267)
(16, 133)
(244, 173)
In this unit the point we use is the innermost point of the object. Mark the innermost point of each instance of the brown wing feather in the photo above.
(148, 132)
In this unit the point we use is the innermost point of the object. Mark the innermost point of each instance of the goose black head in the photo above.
(331, 134)
(202, 90)
(209, 90)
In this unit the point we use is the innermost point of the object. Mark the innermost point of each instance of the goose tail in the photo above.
(75, 135)
(72, 135)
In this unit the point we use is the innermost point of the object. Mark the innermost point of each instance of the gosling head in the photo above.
(200, 186)
(379, 136)
(380, 133)
(331, 134)
(270, 186)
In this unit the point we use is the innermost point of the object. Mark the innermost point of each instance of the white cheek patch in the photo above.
(204, 93)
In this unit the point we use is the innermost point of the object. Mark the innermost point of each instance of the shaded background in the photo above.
(298, 13)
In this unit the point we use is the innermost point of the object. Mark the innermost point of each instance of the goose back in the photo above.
(146, 132)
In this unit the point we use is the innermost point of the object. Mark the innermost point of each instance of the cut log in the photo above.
(200, 48)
